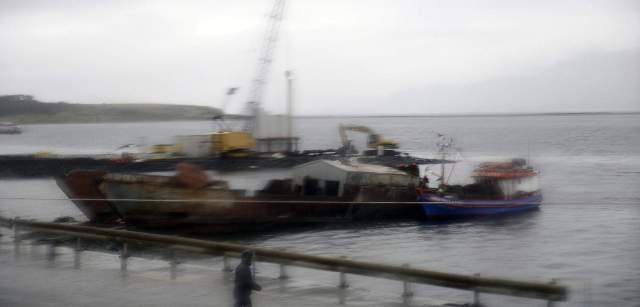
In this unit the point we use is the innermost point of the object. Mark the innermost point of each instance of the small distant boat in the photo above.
(498, 188)
(9, 128)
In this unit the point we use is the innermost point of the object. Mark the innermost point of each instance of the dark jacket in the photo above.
(244, 282)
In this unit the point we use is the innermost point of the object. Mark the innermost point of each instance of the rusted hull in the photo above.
(157, 202)
(207, 209)
(82, 188)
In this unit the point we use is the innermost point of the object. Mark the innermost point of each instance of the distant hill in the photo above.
(24, 109)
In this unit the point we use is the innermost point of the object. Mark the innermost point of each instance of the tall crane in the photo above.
(264, 63)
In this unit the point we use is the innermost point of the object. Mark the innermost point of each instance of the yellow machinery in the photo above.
(223, 143)
(233, 143)
(374, 140)
(162, 149)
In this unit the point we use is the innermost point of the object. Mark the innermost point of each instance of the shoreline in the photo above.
(472, 115)
(236, 117)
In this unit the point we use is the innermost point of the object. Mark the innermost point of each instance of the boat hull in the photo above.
(82, 188)
(199, 210)
(442, 207)
(163, 203)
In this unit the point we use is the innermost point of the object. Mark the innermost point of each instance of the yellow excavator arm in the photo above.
(373, 140)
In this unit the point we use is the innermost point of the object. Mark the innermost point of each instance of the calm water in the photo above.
(587, 233)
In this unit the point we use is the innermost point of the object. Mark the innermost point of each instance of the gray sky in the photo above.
(355, 57)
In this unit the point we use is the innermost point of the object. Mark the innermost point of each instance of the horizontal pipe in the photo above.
(483, 284)
(235, 201)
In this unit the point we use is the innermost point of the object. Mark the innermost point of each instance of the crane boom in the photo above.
(264, 63)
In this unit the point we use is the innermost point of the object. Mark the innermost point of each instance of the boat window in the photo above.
(311, 186)
(399, 180)
(356, 179)
(379, 179)
(331, 187)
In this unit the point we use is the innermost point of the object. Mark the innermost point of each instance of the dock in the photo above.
(59, 271)
(32, 280)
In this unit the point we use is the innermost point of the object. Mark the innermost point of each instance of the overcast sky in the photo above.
(349, 57)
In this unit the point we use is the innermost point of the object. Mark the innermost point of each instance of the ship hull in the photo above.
(157, 202)
(220, 209)
(82, 187)
(441, 207)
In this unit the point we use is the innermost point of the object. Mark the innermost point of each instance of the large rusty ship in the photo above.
(321, 191)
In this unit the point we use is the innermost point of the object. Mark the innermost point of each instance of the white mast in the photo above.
(289, 75)
(444, 143)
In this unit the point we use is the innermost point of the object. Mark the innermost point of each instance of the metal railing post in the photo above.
(406, 286)
(33, 249)
(343, 285)
(343, 281)
(76, 253)
(124, 255)
(226, 266)
(343, 277)
(51, 253)
(476, 295)
(16, 237)
(283, 270)
(551, 303)
(173, 264)
(253, 264)
(342, 297)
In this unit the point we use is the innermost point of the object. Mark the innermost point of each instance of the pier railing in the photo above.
(551, 292)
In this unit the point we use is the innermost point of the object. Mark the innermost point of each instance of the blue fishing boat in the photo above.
(497, 188)
(461, 207)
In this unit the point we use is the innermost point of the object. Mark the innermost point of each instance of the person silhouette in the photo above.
(244, 283)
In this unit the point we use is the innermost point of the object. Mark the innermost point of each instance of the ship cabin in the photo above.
(512, 179)
(345, 178)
